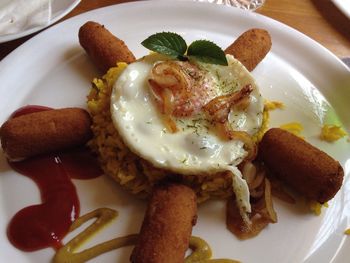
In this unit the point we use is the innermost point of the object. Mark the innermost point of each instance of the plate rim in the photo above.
(68, 9)
(342, 7)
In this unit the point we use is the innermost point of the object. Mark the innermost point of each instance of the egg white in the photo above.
(193, 149)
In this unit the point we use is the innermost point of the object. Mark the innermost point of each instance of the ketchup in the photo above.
(45, 225)
(39, 226)
(28, 109)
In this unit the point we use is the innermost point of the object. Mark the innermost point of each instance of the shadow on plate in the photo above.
(4, 166)
(80, 63)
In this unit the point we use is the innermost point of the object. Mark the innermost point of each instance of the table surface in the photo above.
(318, 19)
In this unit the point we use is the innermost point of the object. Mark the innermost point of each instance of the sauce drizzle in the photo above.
(44, 225)
(201, 252)
(40, 226)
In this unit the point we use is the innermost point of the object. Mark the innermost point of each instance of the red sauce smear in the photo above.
(45, 225)
(28, 109)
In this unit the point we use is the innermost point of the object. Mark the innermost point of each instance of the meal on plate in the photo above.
(175, 115)
(181, 125)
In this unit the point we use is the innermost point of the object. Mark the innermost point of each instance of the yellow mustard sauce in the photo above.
(201, 252)
(103, 217)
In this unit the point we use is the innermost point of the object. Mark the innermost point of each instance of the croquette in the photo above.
(251, 47)
(104, 49)
(44, 132)
(167, 226)
(307, 169)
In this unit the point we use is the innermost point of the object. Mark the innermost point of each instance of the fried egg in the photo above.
(195, 147)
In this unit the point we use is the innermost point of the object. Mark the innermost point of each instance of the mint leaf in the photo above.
(166, 43)
(208, 52)
(173, 45)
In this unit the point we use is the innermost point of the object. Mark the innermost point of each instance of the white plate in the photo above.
(59, 9)
(344, 6)
(51, 69)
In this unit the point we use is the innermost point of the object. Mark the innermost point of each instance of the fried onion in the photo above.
(262, 213)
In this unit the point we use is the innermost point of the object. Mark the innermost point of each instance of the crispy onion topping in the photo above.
(219, 108)
(262, 213)
(181, 89)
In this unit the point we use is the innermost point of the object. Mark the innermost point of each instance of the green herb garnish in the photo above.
(207, 51)
(173, 45)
